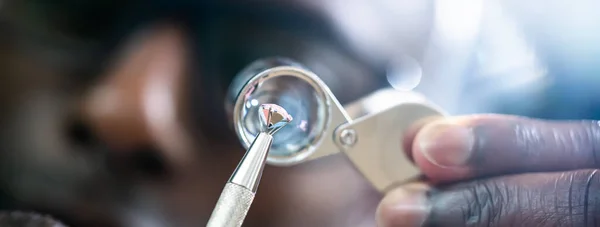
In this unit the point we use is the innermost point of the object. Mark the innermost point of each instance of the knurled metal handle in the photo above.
(232, 207)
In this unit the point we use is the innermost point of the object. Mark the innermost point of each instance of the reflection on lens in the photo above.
(299, 99)
(265, 82)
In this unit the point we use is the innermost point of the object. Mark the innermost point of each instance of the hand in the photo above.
(495, 170)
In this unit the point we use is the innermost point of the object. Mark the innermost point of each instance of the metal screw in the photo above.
(348, 137)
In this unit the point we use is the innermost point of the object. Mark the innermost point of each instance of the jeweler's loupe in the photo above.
(322, 126)
(285, 83)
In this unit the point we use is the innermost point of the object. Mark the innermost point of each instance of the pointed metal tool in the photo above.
(238, 194)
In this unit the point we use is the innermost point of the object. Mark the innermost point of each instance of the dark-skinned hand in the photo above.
(497, 170)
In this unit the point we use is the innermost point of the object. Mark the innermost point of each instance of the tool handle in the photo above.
(232, 207)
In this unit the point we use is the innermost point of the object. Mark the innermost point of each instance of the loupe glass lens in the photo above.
(265, 82)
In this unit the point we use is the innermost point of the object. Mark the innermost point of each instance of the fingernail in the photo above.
(403, 207)
(446, 144)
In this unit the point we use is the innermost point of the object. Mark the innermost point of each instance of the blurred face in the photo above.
(124, 124)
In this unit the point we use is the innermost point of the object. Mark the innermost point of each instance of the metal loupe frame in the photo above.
(372, 143)
(334, 114)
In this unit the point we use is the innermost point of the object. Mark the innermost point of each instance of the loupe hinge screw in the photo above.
(348, 137)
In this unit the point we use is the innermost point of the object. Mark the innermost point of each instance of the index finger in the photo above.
(460, 148)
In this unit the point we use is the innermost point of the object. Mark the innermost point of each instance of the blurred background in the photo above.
(112, 114)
